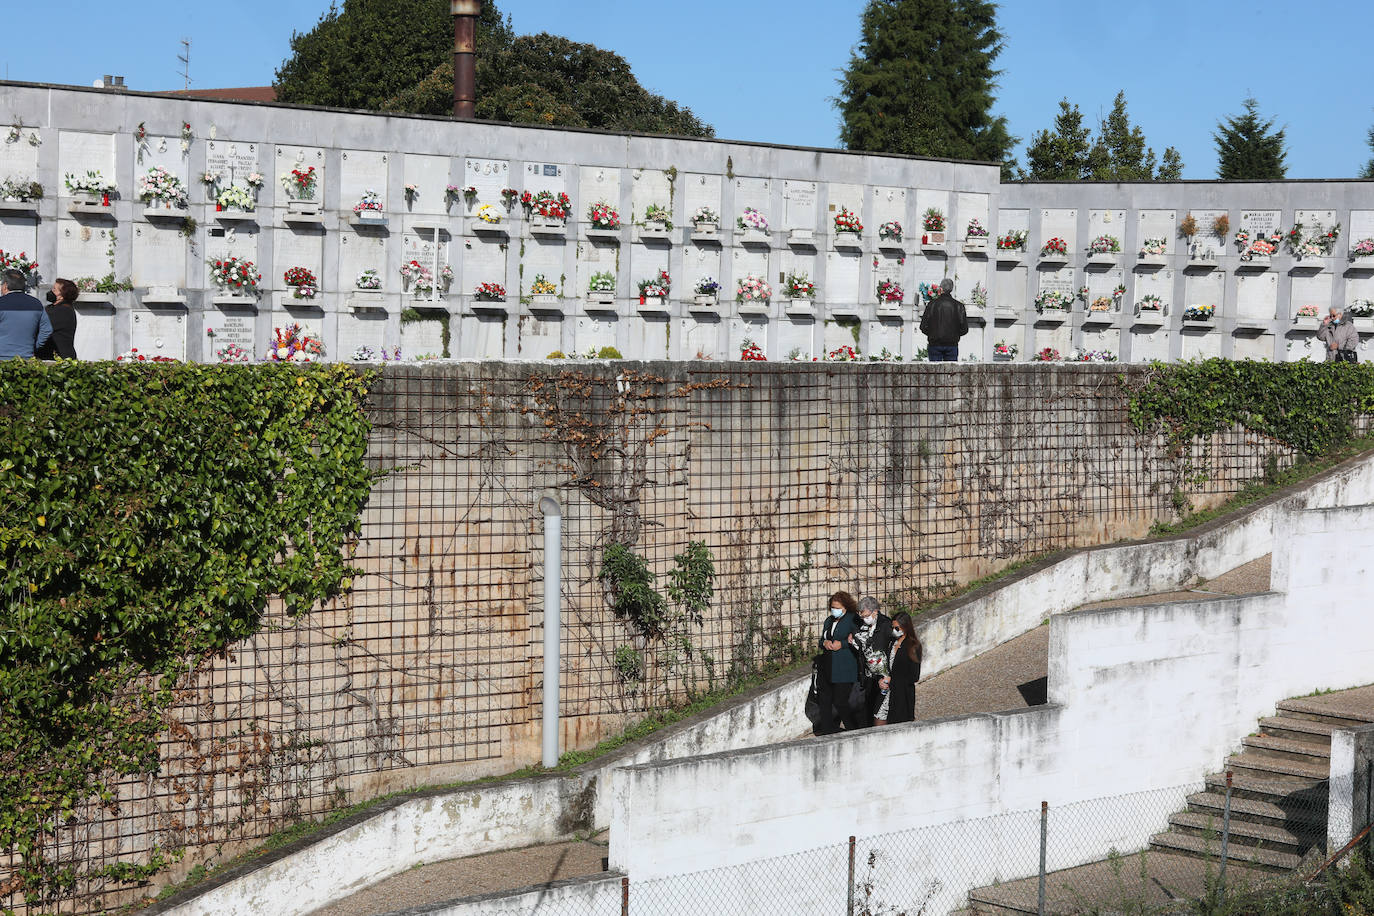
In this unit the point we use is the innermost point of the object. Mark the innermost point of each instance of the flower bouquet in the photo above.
(753, 290)
(705, 221)
(706, 291)
(235, 197)
(934, 220)
(601, 216)
(1360, 308)
(751, 352)
(232, 353)
(19, 262)
(489, 215)
(1004, 351)
(890, 293)
(369, 205)
(979, 296)
(1364, 248)
(133, 356)
(657, 216)
(1199, 312)
(490, 292)
(1092, 356)
(1150, 303)
(542, 287)
(300, 183)
(1047, 355)
(1154, 246)
(161, 185)
(1101, 304)
(657, 288)
(292, 344)
(1052, 300)
(890, 231)
(1105, 244)
(847, 222)
(236, 274)
(1055, 248)
(547, 206)
(603, 282)
(799, 286)
(843, 354)
(369, 280)
(92, 184)
(928, 292)
(752, 224)
(303, 281)
(1012, 241)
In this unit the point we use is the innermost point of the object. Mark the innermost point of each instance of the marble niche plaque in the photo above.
(1008, 294)
(699, 262)
(595, 259)
(1107, 222)
(296, 249)
(1309, 289)
(1256, 297)
(1253, 346)
(21, 237)
(1206, 246)
(1149, 344)
(592, 332)
(837, 334)
(1057, 336)
(845, 197)
(539, 336)
(482, 336)
(311, 320)
(234, 240)
(421, 247)
(1155, 224)
(751, 192)
(79, 152)
(843, 278)
(799, 209)
(232, 160)
(483, 262)
(361, 329)
(750, 262)
(362, 172)
(548, 176)
(83, 250)
(599, 184)
(1314, 222)
(701, 338)
(1362, 227)
(703, 191)
(796, 339)
(1056, 223)
(650, 336)
(159, 257)
(747, 330)
(925, 200)
(158, 332)
(490, 177)
(232, 326)
(1204, 289)
(1261, 222)
(359, 252)
(891, 336)
(889, 204)
(301, 158)
(19, 160)
(422, 338)
(94, 329)
(650, 186)
(973, 206)
(429, 174)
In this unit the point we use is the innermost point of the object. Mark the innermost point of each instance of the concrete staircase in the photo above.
(1278, 790)
(1278, 819)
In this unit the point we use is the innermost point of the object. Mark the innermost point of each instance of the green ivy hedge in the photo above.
(1308, 406)
(147, 513)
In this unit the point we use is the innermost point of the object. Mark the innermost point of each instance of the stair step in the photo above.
(1293, 727)
(1300, 748)
(1312, 708)
(1243, 833)
(1197, 846)
(1214, 804)
(1271, 788)
(1264, 765)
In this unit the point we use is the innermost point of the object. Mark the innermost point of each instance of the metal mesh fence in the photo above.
(1145, 852)
(892, 480)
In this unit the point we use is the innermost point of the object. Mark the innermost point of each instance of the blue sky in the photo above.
(766, 69)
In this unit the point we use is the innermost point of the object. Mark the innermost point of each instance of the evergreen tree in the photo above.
(1119, 152)
(1368, 170)
(1061, 155)
(397, 55)
(1249, 148)
(921, 81)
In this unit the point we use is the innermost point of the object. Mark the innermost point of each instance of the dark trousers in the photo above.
(944, 354)
(834, 702)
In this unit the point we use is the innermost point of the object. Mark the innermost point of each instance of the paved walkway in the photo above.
(1012, 676)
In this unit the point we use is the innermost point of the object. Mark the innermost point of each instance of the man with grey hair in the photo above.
(24, 324)
(1340, 337)
(944, 322)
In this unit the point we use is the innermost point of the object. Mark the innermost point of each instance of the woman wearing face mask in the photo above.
(62, 343)
(904, 670)
(871, 638)
(839, 666)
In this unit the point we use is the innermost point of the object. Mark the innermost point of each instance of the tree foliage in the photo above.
(1368, 170)
(1248, 148)
(397, 55)
(921, 81)
(147, 514)
(1069, 152)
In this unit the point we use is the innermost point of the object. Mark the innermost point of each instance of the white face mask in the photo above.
(837, 612)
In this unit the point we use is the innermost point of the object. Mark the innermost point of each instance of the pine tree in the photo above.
(1064, 154)
(1368, 170)
(921, 81)
(1248, 148)
(1119, 153)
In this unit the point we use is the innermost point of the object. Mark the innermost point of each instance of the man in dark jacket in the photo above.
(944, 322)
(24, 325)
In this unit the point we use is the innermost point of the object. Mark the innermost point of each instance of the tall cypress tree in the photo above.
(1119, 153)
(1249, 148)
(921, 81)
(1064, 153)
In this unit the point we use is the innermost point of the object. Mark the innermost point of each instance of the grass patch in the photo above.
(1275, 480)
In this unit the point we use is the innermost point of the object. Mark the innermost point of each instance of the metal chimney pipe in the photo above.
(465, 14)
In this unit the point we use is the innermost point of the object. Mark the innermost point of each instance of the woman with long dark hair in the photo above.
(838, 666)
(904, 670)
(62, 343)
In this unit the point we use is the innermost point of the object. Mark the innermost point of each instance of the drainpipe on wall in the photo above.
(553, 627)
(465, 14)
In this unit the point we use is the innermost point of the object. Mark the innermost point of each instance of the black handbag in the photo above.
(1347, 356)
(858, 694)
(812, 709)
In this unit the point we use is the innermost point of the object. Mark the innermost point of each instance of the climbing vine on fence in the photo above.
(147, 513)
(1310, 407)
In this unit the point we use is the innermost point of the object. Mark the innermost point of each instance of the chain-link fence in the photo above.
(1180, 849)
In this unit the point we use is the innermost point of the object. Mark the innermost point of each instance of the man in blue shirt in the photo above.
(24, 323)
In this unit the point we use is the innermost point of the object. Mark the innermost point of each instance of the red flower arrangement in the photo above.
(752, 352)
(1055, 245)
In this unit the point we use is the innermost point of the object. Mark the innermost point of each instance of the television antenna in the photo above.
(185, 58)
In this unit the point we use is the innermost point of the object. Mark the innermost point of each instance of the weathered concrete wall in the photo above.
(899, 481)
(1352, 773)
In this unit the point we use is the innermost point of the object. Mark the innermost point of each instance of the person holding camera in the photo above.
(1340, 337)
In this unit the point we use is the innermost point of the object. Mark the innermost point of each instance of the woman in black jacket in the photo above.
(904, 670)
(62, 343)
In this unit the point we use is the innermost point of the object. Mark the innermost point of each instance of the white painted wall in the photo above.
(1144, 699)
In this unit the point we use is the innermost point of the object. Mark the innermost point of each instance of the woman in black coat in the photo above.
(904, 670)
(62, 343)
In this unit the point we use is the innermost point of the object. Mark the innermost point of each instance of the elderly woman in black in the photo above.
(903, 671)
(62, 343)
